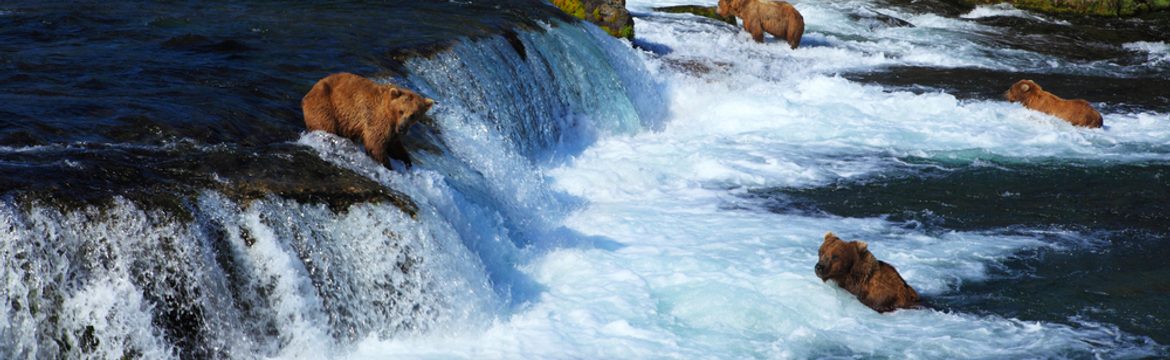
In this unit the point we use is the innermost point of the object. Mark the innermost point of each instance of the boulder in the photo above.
(610, 15)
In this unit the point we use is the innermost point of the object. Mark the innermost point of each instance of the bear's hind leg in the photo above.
(795, 32)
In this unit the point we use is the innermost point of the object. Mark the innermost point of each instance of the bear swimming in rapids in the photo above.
(778, 18)
(876, 283)
(1076, 111)
(357, 108)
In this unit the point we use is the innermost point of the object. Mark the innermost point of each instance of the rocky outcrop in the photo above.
(704, 11)
(610, 15)
(1085, 7)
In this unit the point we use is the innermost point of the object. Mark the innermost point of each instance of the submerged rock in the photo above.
(704, 11)
(1085, 7)
(876, 20)
(610, 15)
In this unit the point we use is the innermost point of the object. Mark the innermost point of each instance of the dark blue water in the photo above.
(1113, 216)
(1114, 220)
(117, 92)
(116, 118)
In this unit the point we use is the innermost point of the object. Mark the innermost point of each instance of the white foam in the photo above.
(835, 38)
(655, 260)
(89, 271)
(823, 129)
(694, 282)
(685, 276)
(1005, 9)
(114, 312)
(1158, 53)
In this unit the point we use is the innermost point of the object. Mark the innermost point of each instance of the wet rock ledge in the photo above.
(169, 180)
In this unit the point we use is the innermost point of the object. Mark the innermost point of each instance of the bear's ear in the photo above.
(829, 237)
(1024, 87)
(861, 246)
(395, 92)
(430, 102)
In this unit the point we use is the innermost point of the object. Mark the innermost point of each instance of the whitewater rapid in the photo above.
(577, 196)
(657, 253)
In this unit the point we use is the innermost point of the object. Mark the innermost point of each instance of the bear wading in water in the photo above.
(876, 283)
(357, 108)
(774, 17)
(1076, 111)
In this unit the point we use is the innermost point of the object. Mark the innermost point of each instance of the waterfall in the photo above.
(226, 278)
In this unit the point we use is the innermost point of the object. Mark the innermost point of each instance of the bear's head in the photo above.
(837, 257)
(1021, 90)
(412, 105)
(726, 7)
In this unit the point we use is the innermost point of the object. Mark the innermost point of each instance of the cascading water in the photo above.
(276, 277)
(574, 197)
(265, 278)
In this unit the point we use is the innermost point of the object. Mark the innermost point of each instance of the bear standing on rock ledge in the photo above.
(774, 17)
(1076, 111)
(876, 283)
(354, 107)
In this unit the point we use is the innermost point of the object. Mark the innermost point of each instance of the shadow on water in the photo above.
(1116, 215)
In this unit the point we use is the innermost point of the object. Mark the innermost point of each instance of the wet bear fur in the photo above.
(876, 283)
(357, 108)
(1076, 111)
(778, 18)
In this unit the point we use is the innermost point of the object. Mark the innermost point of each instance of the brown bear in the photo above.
(759, 16)
(876, 283)
(362, 110)
(1076, 111)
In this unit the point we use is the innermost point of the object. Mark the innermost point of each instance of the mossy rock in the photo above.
(571, 7)
(609, 15)
(704, 11)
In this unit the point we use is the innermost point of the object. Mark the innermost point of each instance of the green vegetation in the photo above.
(1086, 7)
(626, 32)
(571, 7)
(610, 15)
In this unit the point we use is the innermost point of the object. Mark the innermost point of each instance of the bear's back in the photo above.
(1078, 112)
(342, 103)
(891, 286)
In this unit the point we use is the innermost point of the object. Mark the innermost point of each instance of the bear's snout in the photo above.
(820, 270)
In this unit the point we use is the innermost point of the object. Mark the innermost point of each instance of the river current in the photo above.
(574, 195)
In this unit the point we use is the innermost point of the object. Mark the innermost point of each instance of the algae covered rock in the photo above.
(610, 15)
(1085, 7)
